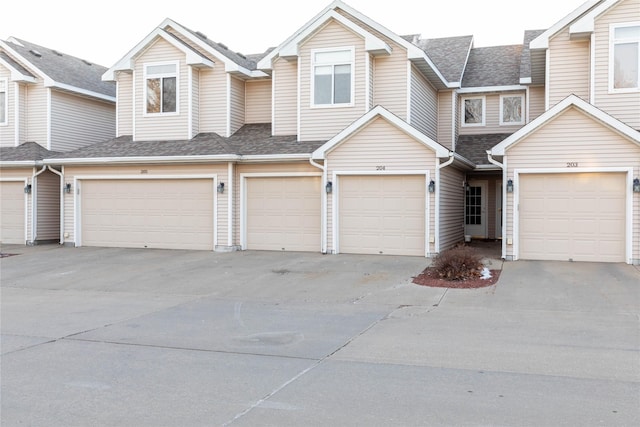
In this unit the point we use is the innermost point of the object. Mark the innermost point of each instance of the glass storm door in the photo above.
(475, 210)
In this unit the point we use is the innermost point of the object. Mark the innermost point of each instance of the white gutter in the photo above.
(177, 159)
(439, 166)
(34, 203)
(323, 220)
(504, 200)
(61, 175)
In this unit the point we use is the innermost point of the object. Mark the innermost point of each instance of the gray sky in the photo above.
(104, 31)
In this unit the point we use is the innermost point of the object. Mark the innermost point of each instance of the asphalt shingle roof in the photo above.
(64, 68)
(525, 58)
(29, 151)
(15, 64)
(474, 147)
(493, 66)
(448, 54)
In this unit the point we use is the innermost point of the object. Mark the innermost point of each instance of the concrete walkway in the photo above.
(96, 336)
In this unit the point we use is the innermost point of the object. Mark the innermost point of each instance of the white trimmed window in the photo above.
(332, 77)
(624, 74)
(4, 101)
(473, 111)
(161, 88)
(511, 110)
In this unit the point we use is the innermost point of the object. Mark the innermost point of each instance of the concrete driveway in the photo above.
(95, 336)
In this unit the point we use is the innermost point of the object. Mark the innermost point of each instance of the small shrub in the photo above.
(458, 263)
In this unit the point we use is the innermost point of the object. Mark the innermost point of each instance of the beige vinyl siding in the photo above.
(258, 101)
(79, 121)
(36, 114)
(285, 83)
(22, 113)
(262, 168)
(445, 119)
(451, 206)
(48, 209)
(380, 144)
(195, 101)
(623, 106)
(572, 137)
(536, 102)
(161, 126)
(238, 100)
(213, 100)
(148, 171)
(7, 131)
(321, 123)
(492, 119)
(125, 103)
(424, 105)
(390, 81)
(569, 64)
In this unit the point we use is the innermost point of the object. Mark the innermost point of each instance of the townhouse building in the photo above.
(350, 138)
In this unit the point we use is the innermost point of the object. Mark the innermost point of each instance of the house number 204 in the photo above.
(381, 168)
(572, 164)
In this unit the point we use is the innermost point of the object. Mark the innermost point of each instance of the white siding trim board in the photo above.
(336, 208)
(629, 201)
(77, 203)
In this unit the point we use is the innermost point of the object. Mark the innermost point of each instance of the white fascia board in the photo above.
(274, 157)
(24, 60)
(19, 163)
(586, 24)
(139, 159)
(490, 89)
(571, 100)
(525, 80)
(463, 160)
(57, 85)
(17, 76)
(321, 152)
(542, 41)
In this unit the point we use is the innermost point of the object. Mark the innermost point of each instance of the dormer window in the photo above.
(332, 77)
(161, 88)
(625, 58)
(3, 102)
(473, 111)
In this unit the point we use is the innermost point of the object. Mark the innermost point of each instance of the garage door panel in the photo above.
(12, 213)
(578, 216)
(283, 213)
(164, 213)
(382, 214)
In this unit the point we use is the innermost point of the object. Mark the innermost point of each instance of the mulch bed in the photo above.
(430, 278)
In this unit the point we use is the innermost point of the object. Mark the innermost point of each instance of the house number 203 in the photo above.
(572, 164)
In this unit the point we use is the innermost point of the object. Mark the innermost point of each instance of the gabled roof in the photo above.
(553, 112)
(586, 24)
(526, 68)
(18, 72)
(493, 66)
(26, 154)
(60, 70)
(379, 111)
(414, 53)
(542, 41)
(474, 147)
(199, 51)
(449, 54)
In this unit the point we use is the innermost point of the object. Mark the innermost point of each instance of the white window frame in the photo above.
(522, 114)
(463, 111)
(4, 121)
(351, 50)
(612, 43)
(160, 75)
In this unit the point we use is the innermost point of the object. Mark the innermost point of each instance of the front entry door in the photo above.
(475, 216)
(499, 210)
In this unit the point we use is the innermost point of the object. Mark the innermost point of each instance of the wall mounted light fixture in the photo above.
(328, 187)
(27, 189)
(221, 187)
(432, 186)
(510, 186)
(67, 187)
(636, 185)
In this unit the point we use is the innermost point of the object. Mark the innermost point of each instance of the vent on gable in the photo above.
(35, 53)
(56, 52)
(87, 62)
(201, 35)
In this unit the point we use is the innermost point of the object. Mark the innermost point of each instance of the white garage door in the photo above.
(283, 213)
(150, 213)
(573, 216)
(382, 215)
(12, 213)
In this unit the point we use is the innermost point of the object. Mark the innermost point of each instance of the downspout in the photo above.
(323, 220)
(504, 201)
(437, 201)
(61, 202)
(34, 203)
